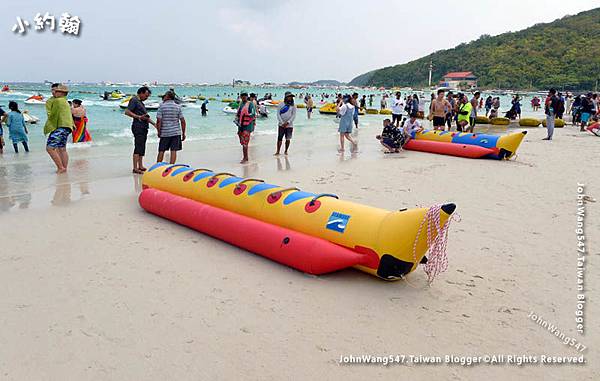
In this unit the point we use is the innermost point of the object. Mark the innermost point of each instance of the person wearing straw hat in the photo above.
(58, 127)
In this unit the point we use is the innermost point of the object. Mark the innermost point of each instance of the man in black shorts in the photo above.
(438, 109)
(170, 125)
(286, 113)
(139, 127)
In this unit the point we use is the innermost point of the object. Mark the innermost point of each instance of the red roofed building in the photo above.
(459, 79)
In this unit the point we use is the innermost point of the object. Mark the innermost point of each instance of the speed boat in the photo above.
(31, 119)
(150, 106)
(35, 100)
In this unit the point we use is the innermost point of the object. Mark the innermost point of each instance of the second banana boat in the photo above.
(466, 144)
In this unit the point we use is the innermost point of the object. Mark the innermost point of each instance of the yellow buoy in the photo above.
(529, 122)
(558, 123)
(500, 121)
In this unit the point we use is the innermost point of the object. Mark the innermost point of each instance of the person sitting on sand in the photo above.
(391, 137)
(58, 127)
(411, 127)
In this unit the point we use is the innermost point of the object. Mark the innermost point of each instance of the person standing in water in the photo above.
(58, 126)
(2, 118)
(203, 108)
(139, 127)
(346, 112)
(383, 103)
(310, 104)
(16, 127)
(355, 104)
(245, 120)
(286, 113)
(488, 104)
(80, 133)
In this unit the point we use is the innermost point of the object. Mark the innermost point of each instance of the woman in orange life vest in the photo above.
(245, 120)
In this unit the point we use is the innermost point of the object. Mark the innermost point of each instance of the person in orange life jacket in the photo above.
(245, 120)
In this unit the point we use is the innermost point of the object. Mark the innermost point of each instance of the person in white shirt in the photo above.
(397, 108)
(346, 112)
(286, 113)
(411, 126)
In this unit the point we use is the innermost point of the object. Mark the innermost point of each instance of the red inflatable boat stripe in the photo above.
(446, 148)
(303, 252)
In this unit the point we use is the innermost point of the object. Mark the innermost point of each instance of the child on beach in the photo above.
(16, 127)
(391, 137)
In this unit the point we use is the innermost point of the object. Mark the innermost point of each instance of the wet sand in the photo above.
(92, 287)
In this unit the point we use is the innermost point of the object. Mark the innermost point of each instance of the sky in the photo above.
(255, 40)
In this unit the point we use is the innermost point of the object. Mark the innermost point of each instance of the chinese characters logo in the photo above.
(67, 24)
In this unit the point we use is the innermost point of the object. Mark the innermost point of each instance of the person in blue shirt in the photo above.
(16, 127)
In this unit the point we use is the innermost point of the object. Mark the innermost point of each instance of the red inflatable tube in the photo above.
(445, 148)
(303, 252)
(594, 128)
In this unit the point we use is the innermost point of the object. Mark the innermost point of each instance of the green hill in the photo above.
(564, 54)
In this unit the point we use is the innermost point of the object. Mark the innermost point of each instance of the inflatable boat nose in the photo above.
(449, 208)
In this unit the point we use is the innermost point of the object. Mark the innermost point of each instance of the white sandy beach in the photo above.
(94, 288)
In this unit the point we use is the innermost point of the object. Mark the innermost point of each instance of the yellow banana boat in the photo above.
(388, 244)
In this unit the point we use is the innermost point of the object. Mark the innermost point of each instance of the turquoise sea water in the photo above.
(27, 180)
(109, 126)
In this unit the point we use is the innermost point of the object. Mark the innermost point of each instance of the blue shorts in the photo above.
(58, 138)
(585, 117)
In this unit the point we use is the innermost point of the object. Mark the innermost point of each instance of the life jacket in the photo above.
(464, 111)
(244, 116)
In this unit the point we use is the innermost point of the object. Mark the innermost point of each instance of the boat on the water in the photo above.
(229, 110)
(31, 119)
(35, 100)
(112, 95)
(150, 106)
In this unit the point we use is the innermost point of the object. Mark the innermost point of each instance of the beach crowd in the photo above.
(446, 111)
